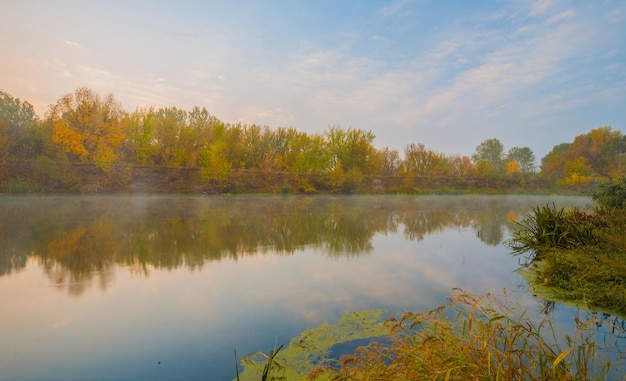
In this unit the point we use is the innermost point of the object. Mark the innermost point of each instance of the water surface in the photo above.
(164, 287)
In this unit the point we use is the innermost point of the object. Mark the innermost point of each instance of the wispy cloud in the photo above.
(561, 16)
(540, 7)
(395, 8)
(72, 44)
(99, 77)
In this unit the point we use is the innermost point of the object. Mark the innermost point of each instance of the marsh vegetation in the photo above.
(577, 255)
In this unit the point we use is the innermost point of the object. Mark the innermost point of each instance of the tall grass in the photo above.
(577, 256)
(548, 227)
(473, 338)
(593, 276)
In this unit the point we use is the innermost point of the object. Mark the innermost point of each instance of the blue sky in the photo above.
(448, 74)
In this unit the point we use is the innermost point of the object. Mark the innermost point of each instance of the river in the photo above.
(164, 287)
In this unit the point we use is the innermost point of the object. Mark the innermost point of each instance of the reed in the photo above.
(473, 338)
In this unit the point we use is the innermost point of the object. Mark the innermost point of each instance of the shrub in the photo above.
(611, 194)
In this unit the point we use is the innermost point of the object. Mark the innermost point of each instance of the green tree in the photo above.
(139, 147)
(311, 158)
(352, 147)
(18, 127)
(214, 165)
(524, 157)
(490, 154)
(168, 125)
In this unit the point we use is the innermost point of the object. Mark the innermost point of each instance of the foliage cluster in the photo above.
(599, 154)
(473, 338)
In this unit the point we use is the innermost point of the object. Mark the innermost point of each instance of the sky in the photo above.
(447, 74)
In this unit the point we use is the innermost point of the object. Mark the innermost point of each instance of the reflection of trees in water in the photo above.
(79, 239)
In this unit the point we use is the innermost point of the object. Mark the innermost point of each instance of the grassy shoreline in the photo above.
(578, 256)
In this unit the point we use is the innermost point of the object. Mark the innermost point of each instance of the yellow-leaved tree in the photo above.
(87, 126)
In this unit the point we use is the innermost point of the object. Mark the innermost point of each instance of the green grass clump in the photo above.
(548, 227)
(593, 276)
(473, 338)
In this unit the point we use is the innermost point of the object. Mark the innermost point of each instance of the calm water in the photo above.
(164, 287)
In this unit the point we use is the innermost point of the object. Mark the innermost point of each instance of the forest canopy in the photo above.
(86, 130)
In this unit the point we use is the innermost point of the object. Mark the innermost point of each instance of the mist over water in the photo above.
(165, 286)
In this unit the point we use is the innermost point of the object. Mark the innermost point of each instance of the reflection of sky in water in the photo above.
(190, 320)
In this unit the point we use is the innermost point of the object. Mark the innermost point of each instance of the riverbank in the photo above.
(64, 177)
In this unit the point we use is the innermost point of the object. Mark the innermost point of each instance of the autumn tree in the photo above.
(461, 166)
(597, 154)
(387, 163)
(87, 126)
(419, 161)
(552, 165)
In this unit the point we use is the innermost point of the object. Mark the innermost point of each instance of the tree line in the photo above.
(84, 127)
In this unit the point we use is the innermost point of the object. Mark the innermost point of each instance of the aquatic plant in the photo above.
(473, 338)
(312, 347)
(270, 364)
